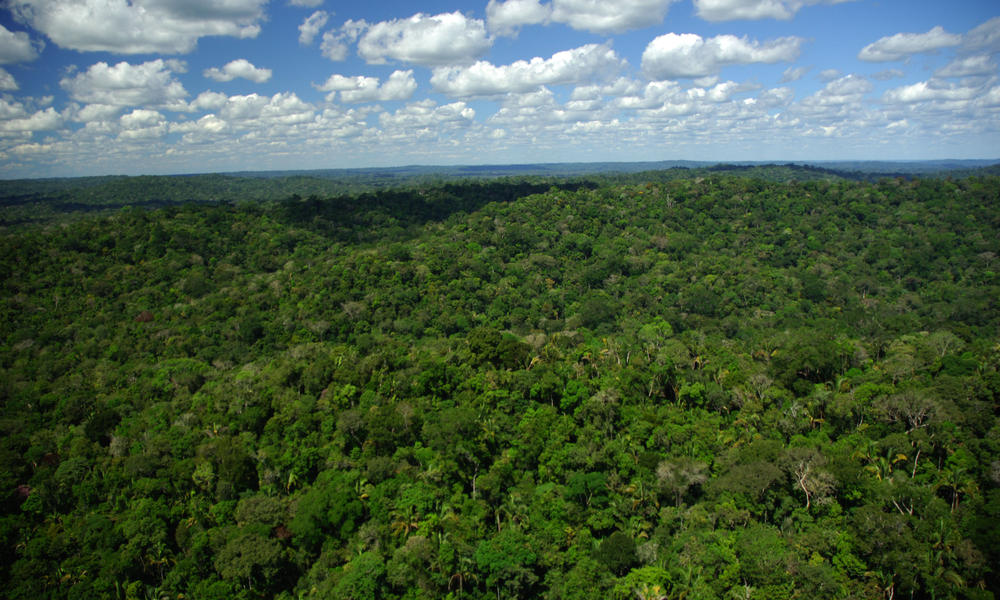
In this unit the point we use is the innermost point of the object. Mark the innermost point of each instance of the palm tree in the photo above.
(959, 481)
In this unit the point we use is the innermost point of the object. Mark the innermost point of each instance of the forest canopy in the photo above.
(701, 385)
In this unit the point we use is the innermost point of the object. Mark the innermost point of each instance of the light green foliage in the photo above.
(361, 578)
(508, 561)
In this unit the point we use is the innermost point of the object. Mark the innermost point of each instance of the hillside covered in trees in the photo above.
(44, 200)
(703, 386)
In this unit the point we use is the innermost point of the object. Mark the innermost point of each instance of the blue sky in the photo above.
(90, 87)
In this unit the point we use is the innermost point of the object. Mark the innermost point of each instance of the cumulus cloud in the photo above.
(569, 66)
(775, 97)
(984, 38)
(902, 45)
(7, 82)
(148, 84)
(427, 114)
(835, 95)
(310, 27)
(447, 38)
(730, 10)
(141, 117)
(150, 26)
(142, 124)
(609, 17)
(968, 66)
(528, 115)
(689, 55)
(793, 74)
(15, 47)
(333, 46)
(96, 113)
(669, 98)
(11, 110)
(305, 3)
(830, 74)
(888, 74)
(849, 86)
(253, 111)
(202, 129)
(932, 90)
(42, 120)
(617, 88)
(399, 86)
(240, 67)
(504, 18)
(208, 101)
(335, 43)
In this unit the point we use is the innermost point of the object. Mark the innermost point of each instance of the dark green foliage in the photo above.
(675, 384)
(508, 562)
(617, 553)
(330, 509)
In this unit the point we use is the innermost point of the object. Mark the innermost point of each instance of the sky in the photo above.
(95, 87)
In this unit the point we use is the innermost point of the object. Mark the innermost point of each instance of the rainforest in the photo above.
(773, 382)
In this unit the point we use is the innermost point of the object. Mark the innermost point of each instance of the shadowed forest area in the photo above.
(760, 382)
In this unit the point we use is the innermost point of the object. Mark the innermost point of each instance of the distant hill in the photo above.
(40, 200)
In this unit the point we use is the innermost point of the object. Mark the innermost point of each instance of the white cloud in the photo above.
(723, 92)
(775, 97)
(569, 66)
(689, 55)
(620, 87)
(427, 114)
(96, 113)
(11, 110)
(240, 67)
(888, 74)
(310, 27)
(849, 86)
(399, 86)
(334, 45)
(7, 82)
(254, 110)
(335, 124)
(142, 124)
(969, 66)
(305, 3)
(43, 120)
(148, 84)
(542, 97)
(448, 38)
(730, 10)
(209, 101)
(138, 27)
(200, 130)
(830, 74)
(932, 90)
(15, 47)
(602, 17)
(670, 98)
(984, 38)
(902, 45)
(832, 101)
(504, 18)
(793, 74)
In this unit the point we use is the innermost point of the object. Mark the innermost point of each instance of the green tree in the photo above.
(508, 562)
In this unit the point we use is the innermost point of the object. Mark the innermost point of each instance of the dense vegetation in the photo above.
(45, 200)
(701, 387)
